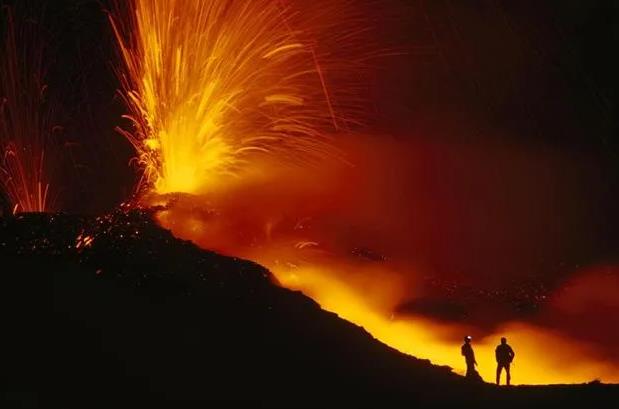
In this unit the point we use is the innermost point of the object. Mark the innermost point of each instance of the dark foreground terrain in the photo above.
(114, 312)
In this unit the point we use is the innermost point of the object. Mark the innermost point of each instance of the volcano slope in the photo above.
(114, 311)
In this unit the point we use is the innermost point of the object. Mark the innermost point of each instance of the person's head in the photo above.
(468, 339)
(503, 340)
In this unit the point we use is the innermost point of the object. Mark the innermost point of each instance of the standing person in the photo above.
(469, 358)
(504, 357)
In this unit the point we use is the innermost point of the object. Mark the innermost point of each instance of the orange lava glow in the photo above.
(25, 123)
(221, 95)
(367, 295)
(421, 337)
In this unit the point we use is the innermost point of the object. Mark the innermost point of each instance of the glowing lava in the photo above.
(25, 121)
(368, 293)
(237, 88)
(212, 85)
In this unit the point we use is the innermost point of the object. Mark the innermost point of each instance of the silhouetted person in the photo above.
(469, 357)
(504, 357)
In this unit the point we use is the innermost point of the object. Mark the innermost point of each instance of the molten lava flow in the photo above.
(212, 85)
(543, 356)
(232, 88)
(367, 294)
(25, 125)
(309, 229)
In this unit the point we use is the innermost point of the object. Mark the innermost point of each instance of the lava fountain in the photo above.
(235, 103)
(214, 85)
(25, 120)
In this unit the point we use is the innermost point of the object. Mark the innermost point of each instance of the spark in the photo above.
(25, 120)
(213, 86)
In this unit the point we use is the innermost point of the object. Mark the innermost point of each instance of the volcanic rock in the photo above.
(113, 311)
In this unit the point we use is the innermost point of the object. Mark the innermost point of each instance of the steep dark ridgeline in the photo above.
(137, 318)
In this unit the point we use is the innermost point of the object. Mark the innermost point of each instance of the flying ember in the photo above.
(25, 120)
(214, 86)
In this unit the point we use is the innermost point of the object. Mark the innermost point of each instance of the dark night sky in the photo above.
(523, 96)
(530, 77)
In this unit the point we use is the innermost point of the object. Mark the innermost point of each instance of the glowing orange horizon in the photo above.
(542, 355)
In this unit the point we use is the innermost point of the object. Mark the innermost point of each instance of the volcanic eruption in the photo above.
(245, 108)
(26, 127)
(319, 208)
(214, 86)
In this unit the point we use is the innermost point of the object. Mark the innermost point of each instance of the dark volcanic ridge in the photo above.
(113, 311)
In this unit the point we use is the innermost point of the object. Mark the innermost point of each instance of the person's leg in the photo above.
(470, 369)
(508, 376)
(498, 373)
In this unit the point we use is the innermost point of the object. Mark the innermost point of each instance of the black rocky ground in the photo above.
(114, 312)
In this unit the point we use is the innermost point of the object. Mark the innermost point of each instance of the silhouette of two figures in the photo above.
(504, 356)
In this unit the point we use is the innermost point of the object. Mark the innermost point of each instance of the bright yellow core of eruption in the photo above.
(212, 83)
